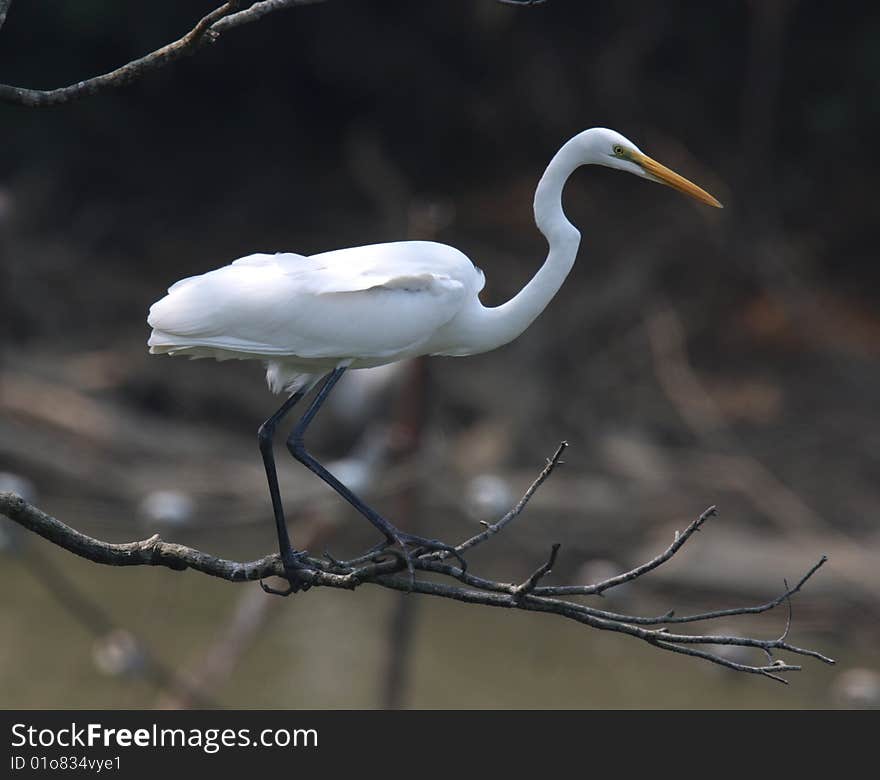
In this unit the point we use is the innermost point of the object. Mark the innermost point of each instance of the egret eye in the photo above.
(618, 150)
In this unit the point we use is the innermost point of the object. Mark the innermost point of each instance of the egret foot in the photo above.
(419, 545)
(292, 562)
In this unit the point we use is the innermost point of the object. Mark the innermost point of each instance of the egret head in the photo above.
(609, 148)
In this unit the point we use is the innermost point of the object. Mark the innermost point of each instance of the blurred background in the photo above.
(693, 357)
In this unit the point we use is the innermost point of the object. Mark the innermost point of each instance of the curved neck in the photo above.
(504, 323)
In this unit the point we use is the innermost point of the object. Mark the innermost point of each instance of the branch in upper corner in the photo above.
(390, 571)
(208, 29)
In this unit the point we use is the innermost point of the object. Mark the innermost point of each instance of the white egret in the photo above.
(310, 317)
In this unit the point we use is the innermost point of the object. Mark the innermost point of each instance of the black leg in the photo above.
(296, 445)
(265, 436)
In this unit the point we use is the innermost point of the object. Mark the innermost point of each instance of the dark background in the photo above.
(693, 357)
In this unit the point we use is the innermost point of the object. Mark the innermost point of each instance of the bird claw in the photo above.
(292, 562)
(409, 547)
(337, 564)
(292, 587)
(420, 546)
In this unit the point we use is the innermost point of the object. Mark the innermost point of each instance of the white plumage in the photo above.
(365, 305)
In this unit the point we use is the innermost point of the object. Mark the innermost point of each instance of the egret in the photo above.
(313, 317)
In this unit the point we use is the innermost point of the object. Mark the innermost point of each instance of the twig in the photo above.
(256, 12)
(387, 572)
(612, 582)
(542, 571)
(494, 528)
(669, 618)
(208, 29)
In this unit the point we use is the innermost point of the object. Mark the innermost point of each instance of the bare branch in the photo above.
(771, 670)
(256, 12)
(148, 552)
(390, 571)
(532, 582)
(612, 582)
(208, 29)
(494, 528)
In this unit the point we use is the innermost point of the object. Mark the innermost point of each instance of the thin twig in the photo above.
(256, 12)
(542, 571)
(771, 671)
(598, 588)
(494, 528)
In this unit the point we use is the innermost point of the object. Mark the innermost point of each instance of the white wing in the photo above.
(368, 301)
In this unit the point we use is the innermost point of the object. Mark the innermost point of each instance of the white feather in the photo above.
(370, 304)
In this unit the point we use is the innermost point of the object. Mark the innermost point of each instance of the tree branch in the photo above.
(208, 29)
(612, 582)
(542, 571)
(389, 570)
(494, 528)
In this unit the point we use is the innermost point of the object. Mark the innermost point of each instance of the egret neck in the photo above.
(502, 324)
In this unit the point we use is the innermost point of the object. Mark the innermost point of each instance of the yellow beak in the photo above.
(666, 176)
